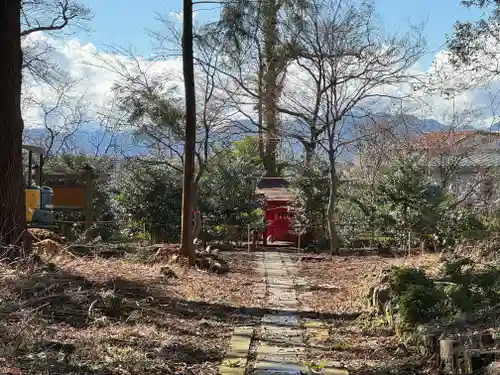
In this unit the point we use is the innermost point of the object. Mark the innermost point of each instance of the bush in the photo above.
(463, 289)
(416, 297)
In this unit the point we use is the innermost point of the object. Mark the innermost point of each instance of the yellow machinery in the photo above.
(39, 207)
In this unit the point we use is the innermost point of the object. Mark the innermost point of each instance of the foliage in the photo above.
(408, 199)
(150, 194)
(226, 194)
(468, 42)
(408, 203)
(463, 288)
(458, 223)
(416, 298)
(312, 187)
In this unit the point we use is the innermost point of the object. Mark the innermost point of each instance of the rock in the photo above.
(212, 263)
(218, 265)
(381, 297)
(493, 369)
(81, 249)
(202, 263)
(369, 296)
(173, 259)
(168, 273)
(105, 233)
(92, 233)
(480, 340)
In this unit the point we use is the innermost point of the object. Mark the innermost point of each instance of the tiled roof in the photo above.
(272, 182)
(275, 188)
(483, 159)
(279, 194)
(442, 139)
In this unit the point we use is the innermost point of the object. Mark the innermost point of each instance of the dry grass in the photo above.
(121, 317)
(338, 288)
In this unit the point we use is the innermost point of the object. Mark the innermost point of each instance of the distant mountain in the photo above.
(88, 141)
(95, 141)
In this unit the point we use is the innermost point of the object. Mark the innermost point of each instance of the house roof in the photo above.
(485, 159)
(272, 182)
(276, 194)
(275, 188)
(446, 139)
(441, 139)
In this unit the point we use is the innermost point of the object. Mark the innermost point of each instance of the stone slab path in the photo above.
(281, 336)
(280, 342)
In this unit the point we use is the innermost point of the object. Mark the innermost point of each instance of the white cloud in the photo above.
(179, 16)
(94, 82)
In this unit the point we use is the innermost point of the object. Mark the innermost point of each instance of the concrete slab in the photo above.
(235, 360)
(281, 320)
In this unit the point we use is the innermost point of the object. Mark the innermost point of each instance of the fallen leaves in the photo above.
(123, 316)
(337, 289)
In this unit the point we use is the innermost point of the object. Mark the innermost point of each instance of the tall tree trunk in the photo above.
(271, 59)
(190, 138)
(332, 227)
(12, 201)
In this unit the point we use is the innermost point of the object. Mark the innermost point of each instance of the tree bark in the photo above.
(271, 58)
(12, 200)
(332, 228)
(190, 138)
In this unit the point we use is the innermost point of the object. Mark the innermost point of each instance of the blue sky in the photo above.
(125, 22)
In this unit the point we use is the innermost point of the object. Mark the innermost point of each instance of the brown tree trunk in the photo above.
(190, 138)
(271, 58)
(12, 200)
(332, 227)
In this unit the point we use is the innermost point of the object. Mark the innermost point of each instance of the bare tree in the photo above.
(345, 67)
(47, 16)
(62, 117)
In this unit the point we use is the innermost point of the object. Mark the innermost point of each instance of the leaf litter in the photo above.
(121, 316)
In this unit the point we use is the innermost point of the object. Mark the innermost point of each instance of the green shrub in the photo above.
(416, 297)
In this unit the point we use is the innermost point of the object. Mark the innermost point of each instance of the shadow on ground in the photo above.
(66, 298)
(58, 299)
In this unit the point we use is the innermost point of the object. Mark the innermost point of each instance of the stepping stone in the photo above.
(235, 360)
(280, 319)
(275, 358)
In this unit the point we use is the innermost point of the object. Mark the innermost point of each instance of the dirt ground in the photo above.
(117, 316)
(336, 289)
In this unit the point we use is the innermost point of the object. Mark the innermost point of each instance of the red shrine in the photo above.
(278, 199)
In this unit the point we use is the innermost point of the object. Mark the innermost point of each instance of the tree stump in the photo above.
(451, 356)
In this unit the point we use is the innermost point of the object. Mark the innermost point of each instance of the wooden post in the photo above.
(36, 173)
(249, 238)
(30, 167)
(155, 234)
(88, 174)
